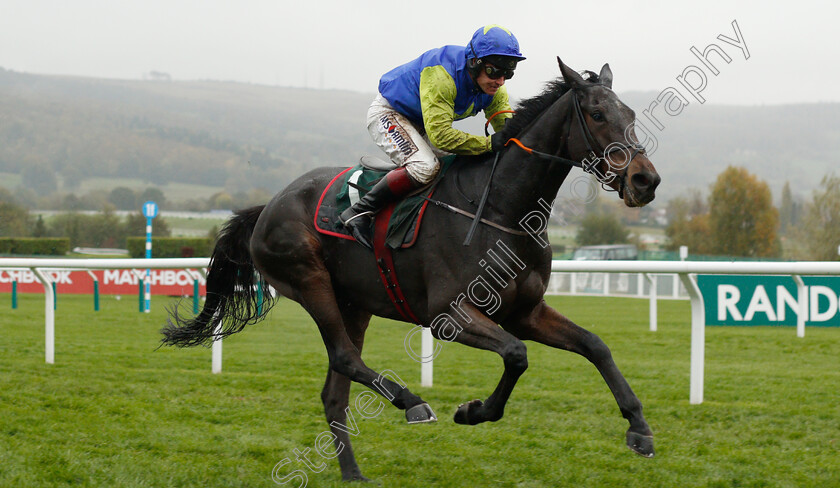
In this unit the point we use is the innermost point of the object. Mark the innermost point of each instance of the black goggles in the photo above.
(495, 73)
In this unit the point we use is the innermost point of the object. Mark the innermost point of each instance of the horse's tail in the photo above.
(236, 296)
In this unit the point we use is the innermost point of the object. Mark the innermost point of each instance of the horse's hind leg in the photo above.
(549, 327)
(345, 358)
(289, 257)
(336, 397)
(314, 292)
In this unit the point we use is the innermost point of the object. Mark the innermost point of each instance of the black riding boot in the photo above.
(396, 184)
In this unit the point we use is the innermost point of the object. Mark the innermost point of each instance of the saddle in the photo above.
(404, 217)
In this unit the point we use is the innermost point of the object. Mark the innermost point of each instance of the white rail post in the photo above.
(698, 337)
(216, 347)
(49, 315)
(37, 265)
(802, 314)
(216, 365)
(427, 350)
(683, 257)
(653, 319)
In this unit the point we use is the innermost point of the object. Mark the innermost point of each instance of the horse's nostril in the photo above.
(640, 181)
(644, 182)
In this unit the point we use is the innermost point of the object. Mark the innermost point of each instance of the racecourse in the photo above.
(114, 412)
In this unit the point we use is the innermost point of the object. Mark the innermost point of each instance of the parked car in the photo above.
(606, 252)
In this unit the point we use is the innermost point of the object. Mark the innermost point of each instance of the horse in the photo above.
(337, 281)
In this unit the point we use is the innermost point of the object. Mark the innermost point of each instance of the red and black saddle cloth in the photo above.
(403, 218)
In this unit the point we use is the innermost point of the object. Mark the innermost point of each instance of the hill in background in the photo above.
(215, 134)
(62, 133)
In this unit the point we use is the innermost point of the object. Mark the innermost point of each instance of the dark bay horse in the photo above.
(337, 281)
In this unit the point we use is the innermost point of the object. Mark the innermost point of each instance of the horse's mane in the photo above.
(529, 109)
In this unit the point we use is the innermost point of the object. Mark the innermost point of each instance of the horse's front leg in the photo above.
(482, 333)
(546, 325)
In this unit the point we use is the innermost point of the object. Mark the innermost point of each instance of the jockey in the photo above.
(411, 118)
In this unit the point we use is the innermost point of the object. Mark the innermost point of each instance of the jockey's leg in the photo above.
(407, 147)
(396, 184)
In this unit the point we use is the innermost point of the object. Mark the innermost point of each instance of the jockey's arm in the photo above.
(437, 101)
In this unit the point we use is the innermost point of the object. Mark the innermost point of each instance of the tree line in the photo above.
(738, 218)
(124, 198)
(103, 229)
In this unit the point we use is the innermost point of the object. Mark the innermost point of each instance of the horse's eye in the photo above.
(597, 117)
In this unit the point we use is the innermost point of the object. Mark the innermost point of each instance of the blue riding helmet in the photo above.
(494, 40)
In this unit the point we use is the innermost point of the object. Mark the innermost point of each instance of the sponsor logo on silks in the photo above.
(397, 136)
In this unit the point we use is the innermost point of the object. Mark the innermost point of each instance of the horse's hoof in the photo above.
(354, 474)
(420, 414)
(358, 478)
(640, 444)
(462, 416)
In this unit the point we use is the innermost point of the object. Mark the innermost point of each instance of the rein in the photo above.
(477, 218)
(542, 155)
(587, 137)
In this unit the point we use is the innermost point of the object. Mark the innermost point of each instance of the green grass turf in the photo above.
(112, 411)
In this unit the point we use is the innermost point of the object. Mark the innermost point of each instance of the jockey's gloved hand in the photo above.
(497, 142)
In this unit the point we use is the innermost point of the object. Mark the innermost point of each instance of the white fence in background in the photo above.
(687, 272)
(640, 285)
(667, 286)
(40, 265)
(612, 277)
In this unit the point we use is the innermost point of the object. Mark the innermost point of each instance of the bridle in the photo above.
(591, 160)
(588, 164)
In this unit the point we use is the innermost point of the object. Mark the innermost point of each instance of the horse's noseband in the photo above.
(605, 155)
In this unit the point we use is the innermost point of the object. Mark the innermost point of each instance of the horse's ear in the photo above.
(570, 76)
(606, 76)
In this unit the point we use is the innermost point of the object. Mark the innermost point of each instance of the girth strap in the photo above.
(385, 263)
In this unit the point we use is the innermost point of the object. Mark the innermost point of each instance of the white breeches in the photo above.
(402, 142)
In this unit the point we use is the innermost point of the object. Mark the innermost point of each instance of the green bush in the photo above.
(170, 247)
(45, 246)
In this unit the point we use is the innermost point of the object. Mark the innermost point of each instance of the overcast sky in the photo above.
(794, 48)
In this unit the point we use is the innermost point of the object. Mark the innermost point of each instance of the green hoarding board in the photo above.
(769, 300)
